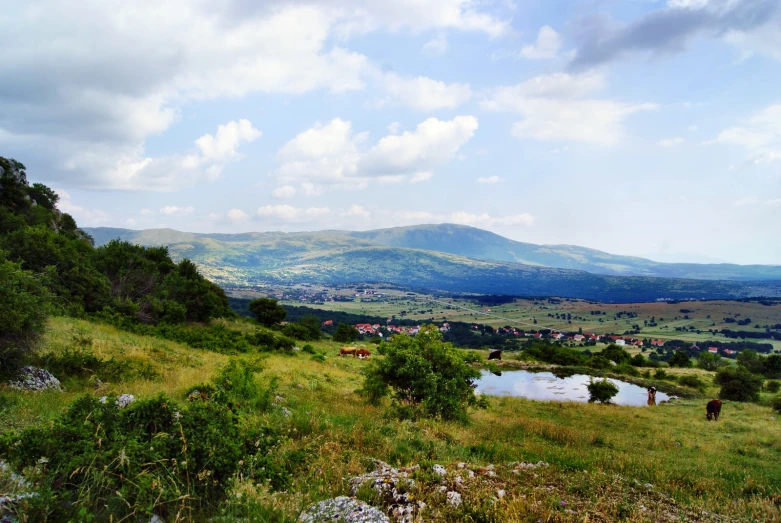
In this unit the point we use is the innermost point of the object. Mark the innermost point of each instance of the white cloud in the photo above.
(744, 201)
(670, 142)
(229, 137)
(84, 217)
(687, 4)
(776, 202)
(424, 94)
(693, 128)
(173, 210)
(547, 46)
(486, 220)
(290, 214)
(357, 210)
(333, 154)
(760, 135)
(437, 46)
(133, 170)
(285, 192)
(489, 179)
(131, 222)
(421, 177)
(105, 77)
(555, 107)
(237, 216)
(146, 212)
(394, 127)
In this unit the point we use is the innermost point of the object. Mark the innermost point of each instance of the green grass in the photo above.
(596, 452)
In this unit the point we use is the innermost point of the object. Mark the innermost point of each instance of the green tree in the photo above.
(750, 360)
(637, 360)
(601, 391)
(424, 374)
(709, 361)
(771, 366)
(345, 333)
(266, 311)
(615, 353)
(738, 384)
(23, 310)
(680, 359)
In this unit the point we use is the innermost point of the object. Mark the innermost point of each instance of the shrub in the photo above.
(738, 384)
(680, 359)
(308, 349)
(776, 404)
(615, 353)
(626, 369)
(637, 360)
(709, 361)
(472, 357)
(236, 387)
(266, 311)
(773, 386)
(345, 333)
(423, 372)
(692, 381)
(150, 457)
(661, 374)
(23, 310)
(601, 391)
(599, 362)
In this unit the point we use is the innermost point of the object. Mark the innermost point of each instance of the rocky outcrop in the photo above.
(33, 379)
(343, 508)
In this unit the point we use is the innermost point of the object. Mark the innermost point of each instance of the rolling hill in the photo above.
(394, 256)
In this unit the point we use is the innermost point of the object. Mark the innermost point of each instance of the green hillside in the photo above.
(334, 257)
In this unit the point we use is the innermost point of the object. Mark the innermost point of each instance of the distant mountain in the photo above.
(484, 245)
(336, 257)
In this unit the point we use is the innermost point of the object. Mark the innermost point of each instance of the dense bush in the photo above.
(151, 457)
(23, 309)
(773, 386)
(776, 404)
(637, 360)
(601, 391)
(680, 359)
(692, 381)
(738, 384)
(709, 361)
(425, 375)
(306, 329)
(266, 311)
(345, 333)
(615, 354)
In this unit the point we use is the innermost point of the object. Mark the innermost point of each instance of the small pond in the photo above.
(545, 386)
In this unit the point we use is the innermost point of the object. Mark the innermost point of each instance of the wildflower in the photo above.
(562, 503)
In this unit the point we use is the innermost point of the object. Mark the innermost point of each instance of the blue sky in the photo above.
(650, 128)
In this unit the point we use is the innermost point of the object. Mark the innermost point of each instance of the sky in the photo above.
(640, 127)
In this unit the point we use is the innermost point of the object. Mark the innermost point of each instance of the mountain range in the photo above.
(448, 257)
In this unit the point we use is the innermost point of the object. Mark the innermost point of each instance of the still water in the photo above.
(545, 386)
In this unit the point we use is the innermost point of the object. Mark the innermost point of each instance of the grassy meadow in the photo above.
(605, 462)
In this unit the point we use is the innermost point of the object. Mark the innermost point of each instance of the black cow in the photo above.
(495, 355)
(713, 410)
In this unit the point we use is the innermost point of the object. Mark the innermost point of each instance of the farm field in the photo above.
(693, 319)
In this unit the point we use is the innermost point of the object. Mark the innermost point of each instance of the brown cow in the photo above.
(363, 353)
(651, 396)
(713, 409)
(495, 355)
(349, 351)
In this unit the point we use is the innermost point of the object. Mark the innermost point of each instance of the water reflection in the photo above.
(546, 386)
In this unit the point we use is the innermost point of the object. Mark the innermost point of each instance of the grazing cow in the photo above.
(495, 355)
(651, 396)
(347, 351)
(713, 410)
(363, 353)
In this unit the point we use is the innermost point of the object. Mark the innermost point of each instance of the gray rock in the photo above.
(33, 379)
(453, 498)
(344, 509)
(122, 401)
(393, 486)
(439, 470)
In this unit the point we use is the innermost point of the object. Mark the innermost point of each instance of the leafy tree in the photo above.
(266, 311)
(637, 360)
(23, 310)
(601, 391)
(345, 333)
(709, 361)
(771, 366)
(776, 404)
(615, 353)
(750, 360)
(738, 384)
(680, 359)
(773, 386)
(424, 374)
